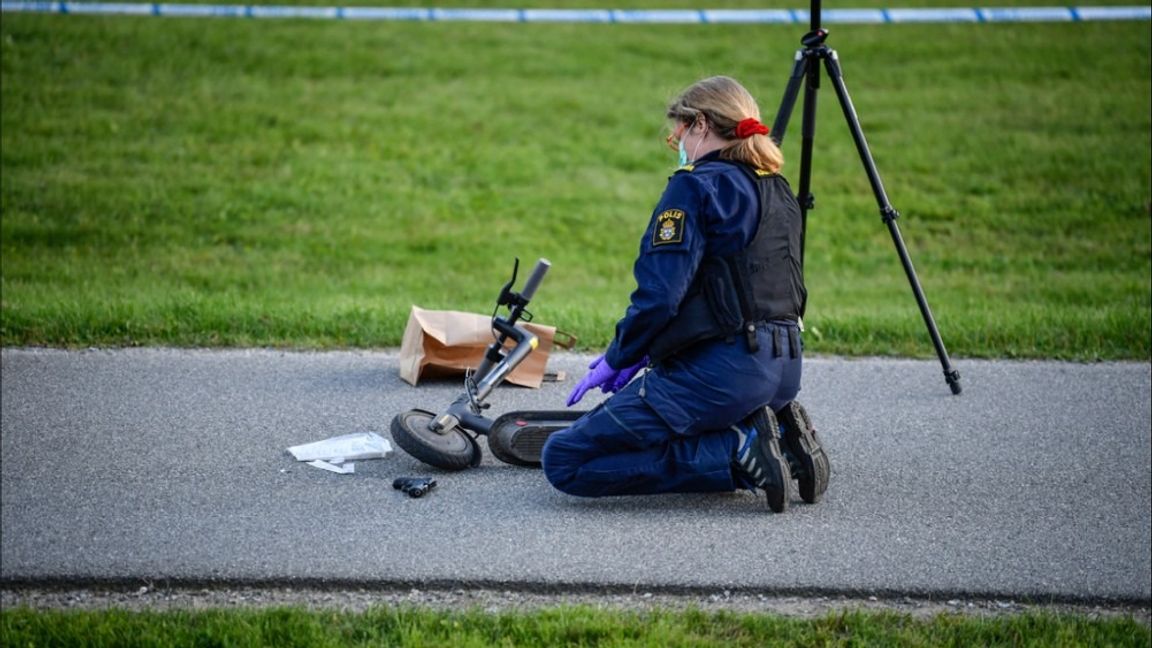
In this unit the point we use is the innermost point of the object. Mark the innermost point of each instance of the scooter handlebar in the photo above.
(534, 280)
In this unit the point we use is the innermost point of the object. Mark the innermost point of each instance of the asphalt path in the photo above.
(170, 466)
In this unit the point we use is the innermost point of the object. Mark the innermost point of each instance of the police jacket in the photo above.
(721, 253)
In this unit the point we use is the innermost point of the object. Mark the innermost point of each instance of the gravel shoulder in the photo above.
(156, 597)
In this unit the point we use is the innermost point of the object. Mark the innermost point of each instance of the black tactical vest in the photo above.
(764, 281)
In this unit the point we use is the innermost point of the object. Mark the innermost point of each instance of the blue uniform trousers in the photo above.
(669, 430)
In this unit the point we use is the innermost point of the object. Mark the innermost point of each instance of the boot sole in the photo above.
(805, 445)
(765, 423)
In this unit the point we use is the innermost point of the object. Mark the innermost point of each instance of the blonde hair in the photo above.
(725, 103)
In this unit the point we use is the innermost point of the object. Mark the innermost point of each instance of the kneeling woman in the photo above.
(714, 324)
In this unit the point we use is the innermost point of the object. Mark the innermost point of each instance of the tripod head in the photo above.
(815, 39)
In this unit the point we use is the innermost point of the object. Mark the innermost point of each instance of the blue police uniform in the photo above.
(669, 430)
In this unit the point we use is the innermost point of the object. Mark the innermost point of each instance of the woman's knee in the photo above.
(558, 462)
(567, 452)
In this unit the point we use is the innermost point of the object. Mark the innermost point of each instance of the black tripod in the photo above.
(806, 68)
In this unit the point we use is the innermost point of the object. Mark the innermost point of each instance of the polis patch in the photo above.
(669, 227)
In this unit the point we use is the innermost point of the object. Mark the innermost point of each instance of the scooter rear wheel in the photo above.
(451, 450)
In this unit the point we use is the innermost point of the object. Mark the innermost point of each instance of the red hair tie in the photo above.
(749, 127)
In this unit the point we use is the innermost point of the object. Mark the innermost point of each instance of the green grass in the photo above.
(564, 626)
(303, 183)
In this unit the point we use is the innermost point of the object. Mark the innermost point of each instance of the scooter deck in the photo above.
(518, 438)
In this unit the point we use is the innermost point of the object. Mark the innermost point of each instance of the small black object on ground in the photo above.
(414, 486)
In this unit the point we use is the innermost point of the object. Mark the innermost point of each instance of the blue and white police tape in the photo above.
(649, 16)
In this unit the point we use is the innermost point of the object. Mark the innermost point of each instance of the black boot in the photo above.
(759, 459)
(802, 447)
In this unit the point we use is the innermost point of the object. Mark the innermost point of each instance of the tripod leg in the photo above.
(889, 215)
(784, 113)
(807, 139)
(802, 69)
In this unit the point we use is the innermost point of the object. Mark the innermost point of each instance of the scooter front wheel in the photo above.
(450, 450)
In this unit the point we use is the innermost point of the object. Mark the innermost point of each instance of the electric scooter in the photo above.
(448, 440)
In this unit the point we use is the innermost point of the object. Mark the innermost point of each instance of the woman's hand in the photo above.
(601, 375)
(626, 375)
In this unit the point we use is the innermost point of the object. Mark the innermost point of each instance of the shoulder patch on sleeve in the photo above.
(669, 228)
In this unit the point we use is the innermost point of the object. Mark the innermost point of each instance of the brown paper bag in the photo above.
(446, 343)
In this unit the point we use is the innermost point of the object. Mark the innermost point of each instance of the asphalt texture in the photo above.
(171, 466)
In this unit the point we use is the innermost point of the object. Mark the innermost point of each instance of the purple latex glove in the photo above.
(626, 375)
(601, 375)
